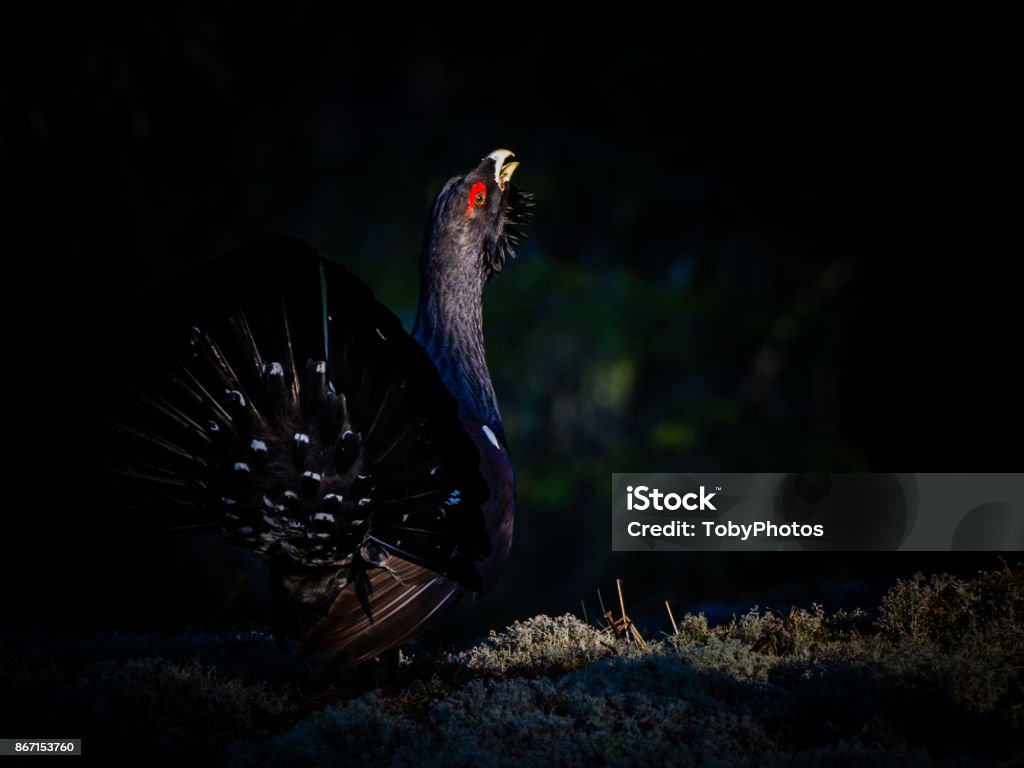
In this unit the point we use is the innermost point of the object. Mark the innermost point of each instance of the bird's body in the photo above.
(271, 397)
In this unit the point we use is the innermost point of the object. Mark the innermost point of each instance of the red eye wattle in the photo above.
(477, 196)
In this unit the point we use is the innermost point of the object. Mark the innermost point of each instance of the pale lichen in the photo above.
(541, 645)
(935, 680)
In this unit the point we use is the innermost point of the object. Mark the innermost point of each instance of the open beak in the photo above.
(503, 169)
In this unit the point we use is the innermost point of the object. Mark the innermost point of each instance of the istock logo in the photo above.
(642, 498)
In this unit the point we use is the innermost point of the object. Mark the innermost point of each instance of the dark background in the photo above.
(762, 251)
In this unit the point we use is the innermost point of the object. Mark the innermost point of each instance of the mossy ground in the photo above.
(934, 677)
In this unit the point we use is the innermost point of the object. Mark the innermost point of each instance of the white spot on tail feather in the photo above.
(239, 397)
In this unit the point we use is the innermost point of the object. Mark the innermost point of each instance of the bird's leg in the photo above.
(386, 669)
(380, 672)
(284, 618)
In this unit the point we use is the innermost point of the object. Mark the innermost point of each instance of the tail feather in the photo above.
(398, 602)
(332, 462)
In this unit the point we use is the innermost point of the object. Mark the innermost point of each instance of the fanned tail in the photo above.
(270, 396)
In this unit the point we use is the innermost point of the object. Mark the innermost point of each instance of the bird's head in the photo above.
(475, 220)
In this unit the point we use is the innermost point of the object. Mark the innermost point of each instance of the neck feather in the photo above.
(449, 326)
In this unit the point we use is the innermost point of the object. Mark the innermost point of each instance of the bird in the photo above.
(268, 396)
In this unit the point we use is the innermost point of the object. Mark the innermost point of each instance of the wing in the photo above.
(268, 395)
(391, 606)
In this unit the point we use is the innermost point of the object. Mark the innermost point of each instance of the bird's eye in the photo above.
(477, 196)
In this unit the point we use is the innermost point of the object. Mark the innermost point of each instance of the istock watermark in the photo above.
(642, 497)
(817, 511)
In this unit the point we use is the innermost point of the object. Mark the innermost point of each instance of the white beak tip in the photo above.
(502, 172)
